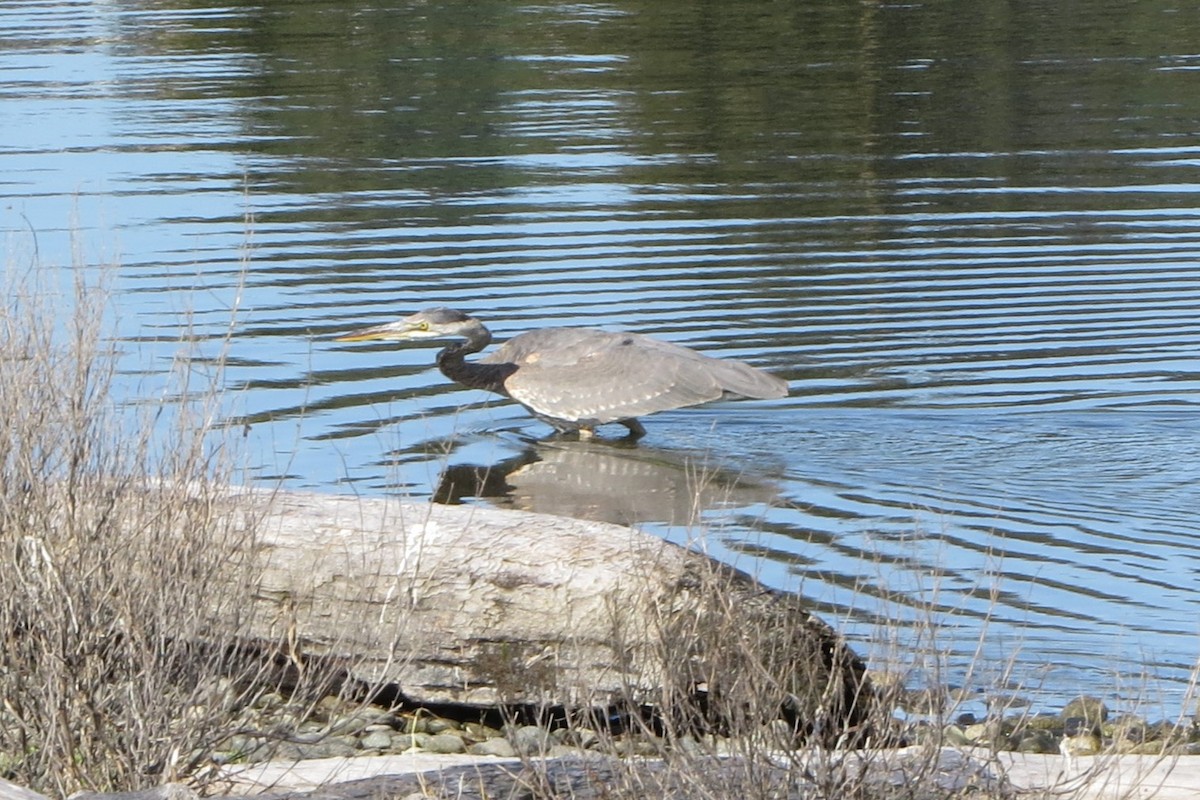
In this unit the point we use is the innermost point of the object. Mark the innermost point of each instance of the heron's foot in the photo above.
(587, 433)
(636, 431)
(573, 433)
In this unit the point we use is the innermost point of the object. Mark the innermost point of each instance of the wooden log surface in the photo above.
(481, 606)
(11, 791)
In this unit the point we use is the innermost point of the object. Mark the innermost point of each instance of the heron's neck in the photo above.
(451, 360)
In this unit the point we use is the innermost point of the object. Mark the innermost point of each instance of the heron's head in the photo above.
(432, 323)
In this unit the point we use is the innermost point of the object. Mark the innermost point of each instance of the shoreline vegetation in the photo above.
(160, 628)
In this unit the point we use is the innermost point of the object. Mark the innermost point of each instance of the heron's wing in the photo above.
(582, 374)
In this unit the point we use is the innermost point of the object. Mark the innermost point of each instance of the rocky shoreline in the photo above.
(274, 729)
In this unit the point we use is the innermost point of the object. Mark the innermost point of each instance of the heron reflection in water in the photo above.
(577, 378)
(622, 485)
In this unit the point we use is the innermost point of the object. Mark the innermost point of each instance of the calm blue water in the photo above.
(968, 236)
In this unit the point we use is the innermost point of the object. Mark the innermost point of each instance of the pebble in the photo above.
(403, 742)
(439, 725)
(275, 728)
(478, 731)
(640, 746)
(977, 733)
(582, 738)
(1084, 744)
(492, 747)
(1127, 728)
(418, 723)
(239, 744)
(1038, 742)
(270, 700)
(1043, 722)
(355, 723)
(445, 743)
(1091, 709)
(955, 736)
(529, 740)
(377, 740)
(332, 747)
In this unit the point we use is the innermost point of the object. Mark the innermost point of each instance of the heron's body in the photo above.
(578, 378)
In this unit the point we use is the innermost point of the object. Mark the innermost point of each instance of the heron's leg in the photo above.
(636, 431)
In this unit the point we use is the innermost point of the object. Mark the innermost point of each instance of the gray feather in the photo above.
(593, 377)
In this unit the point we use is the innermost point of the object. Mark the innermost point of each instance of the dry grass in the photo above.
(739, 717)
(109, 543)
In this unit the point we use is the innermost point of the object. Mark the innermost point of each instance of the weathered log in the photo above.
(11, 791)
(479, 606)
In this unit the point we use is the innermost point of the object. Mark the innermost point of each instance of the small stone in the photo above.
(1037, 742)
(1144, 749)
(437, 725)
(331, 706)
(445, 743)
(377, 740)
(239, 744)
(1164, 729)
(332, 747)
(265, 752)
(1126, 727)
(529, 739)
(416, 723)
(402, 742)
(478, 731)
(353, 724)
(1044, 722)
(979, 732)
(584, 738)
(493, 747)
(640, 746)
(955, 736)
(379, 726)
(268, 700)
(1123, 746)
(1091, 709)
(1084, 744)
(336, 746)
(389, 718)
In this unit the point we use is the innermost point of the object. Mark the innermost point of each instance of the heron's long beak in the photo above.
(389, 332)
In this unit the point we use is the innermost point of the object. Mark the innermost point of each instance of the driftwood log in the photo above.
(484, 607)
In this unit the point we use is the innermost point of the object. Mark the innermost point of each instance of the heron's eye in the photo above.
(422, 326)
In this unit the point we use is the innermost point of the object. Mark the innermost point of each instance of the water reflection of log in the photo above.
(605, 482)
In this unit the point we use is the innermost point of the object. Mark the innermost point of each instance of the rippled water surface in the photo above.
(966, 234)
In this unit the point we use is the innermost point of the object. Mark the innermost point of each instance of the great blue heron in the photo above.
(577, 378)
